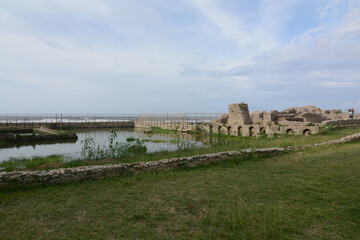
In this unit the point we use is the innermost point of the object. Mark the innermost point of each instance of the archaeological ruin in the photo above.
(239, 122)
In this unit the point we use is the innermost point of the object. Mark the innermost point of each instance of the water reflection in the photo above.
(71, 148)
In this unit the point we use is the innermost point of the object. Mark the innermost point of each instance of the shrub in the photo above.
(91, 151)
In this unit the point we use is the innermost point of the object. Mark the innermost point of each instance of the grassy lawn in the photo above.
(313, 194)
(214, 144)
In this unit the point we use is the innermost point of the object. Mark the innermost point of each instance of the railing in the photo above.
(65, 118)
(84, 118)
(179, 117)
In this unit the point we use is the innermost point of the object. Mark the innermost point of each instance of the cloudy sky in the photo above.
(158, 56)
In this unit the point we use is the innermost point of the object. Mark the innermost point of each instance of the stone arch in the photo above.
(262, 131)
(239, 132)
(229, 130)
(290, 131)
(219, 129)
(306, 132)
(251, 131)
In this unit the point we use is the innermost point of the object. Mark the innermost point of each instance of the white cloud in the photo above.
(332, 7)
(338, 84)
(241, 83)
(186, 52)
(251, 37)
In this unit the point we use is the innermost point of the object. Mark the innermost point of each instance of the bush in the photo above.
(130, 139)
(91, 151)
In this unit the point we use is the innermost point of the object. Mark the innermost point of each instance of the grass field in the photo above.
(313, 194)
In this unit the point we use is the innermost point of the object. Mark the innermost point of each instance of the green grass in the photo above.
(161, 130)
(216, 143)
(313, 194)
(49, 162)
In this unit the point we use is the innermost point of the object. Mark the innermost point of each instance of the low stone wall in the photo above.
(342, 122)
(64, 175)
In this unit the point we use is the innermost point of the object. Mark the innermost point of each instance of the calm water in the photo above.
(72, 149)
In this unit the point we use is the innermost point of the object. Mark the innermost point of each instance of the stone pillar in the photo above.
(239, 114)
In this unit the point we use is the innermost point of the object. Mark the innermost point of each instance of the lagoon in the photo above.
(71, 149)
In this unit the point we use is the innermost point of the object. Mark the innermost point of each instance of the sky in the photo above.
(175, 56)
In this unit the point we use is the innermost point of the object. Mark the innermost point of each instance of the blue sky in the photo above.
(158, 56)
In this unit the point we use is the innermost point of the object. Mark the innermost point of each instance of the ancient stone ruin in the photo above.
(239, 122)
(294, 120)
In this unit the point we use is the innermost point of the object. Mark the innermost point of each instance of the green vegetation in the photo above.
(183, 145)
(313, 194)
(49, 162)
(90, 151)
(215, 143)
(161, 130)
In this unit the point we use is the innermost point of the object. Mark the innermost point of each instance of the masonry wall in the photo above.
(343, 122)
(239, 114)
(292, 128)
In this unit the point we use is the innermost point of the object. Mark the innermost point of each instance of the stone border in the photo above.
(75, 174)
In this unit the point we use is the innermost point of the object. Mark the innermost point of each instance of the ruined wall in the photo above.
(252, 130)
(263, 117)
(239, 114)
(314, 117)
(343, 122)
(293, 121)
(300, 110)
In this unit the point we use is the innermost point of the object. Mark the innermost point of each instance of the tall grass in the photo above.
(91, 151)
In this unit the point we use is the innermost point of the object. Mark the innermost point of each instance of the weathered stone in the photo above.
(239, 114)
(314, 117)
(223, 119)
(300, 110)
